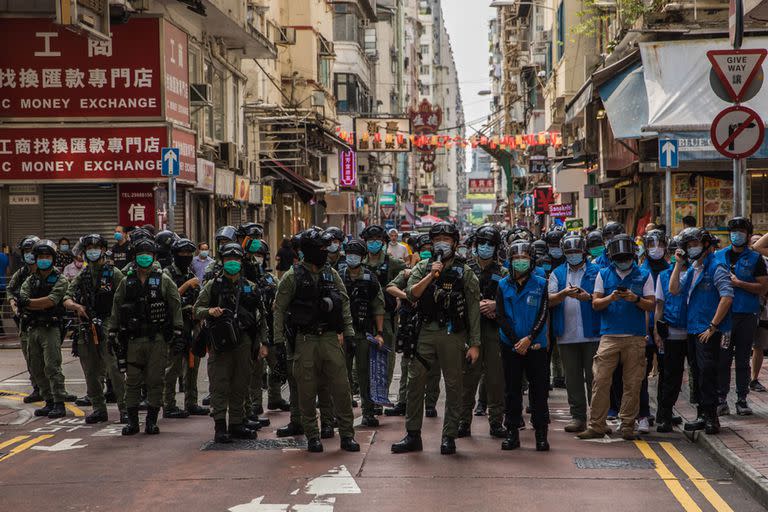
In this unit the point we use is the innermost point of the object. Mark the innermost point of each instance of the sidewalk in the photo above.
(742, 445)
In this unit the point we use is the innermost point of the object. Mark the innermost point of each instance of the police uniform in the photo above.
(366, 302)
(94, 289)
(443, 338)
(14, 292)
(489, 362)
(120, 254)
(184, 363)
(317, 355)
(43, 332)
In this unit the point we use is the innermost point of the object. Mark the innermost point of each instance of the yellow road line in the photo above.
(12, 441)
(24, 446)
(698, 480)
(19, 397)
(672, 483)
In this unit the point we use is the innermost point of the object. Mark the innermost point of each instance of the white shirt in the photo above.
(397, 251)
(573, 331)
(674, 332)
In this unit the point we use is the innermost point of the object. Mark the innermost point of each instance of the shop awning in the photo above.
(626, 103)
(304, 187)
(580, 100)
(677, 80)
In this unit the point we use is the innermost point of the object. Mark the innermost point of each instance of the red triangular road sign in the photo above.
(737, 68)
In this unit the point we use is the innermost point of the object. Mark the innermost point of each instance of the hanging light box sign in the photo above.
(348, 169)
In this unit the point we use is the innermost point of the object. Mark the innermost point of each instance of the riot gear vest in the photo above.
(241, 298)
(382, 273)
(147, 305)
(316, 306)
(41, 287)
(97, 291)
(268, 288)
(489, 279)
(179, 278)
(443, 301)
(361, 291)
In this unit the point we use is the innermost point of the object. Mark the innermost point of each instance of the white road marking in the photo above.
(61, 446)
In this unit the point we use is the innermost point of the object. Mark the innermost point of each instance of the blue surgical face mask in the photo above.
(118, 236)
(204, 254)
(29, 258)
(64, 247)
(44, 264)
(556, 252)
(374, 246)
(485, 251)
(354, 260)
(334, 247)
(738, 239)
(695, 252)
(546, 267)
(624, 265)
(575, 259)
(93, 255)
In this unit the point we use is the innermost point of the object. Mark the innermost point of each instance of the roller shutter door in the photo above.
(75, 210)
(180, 212)
(24, 220)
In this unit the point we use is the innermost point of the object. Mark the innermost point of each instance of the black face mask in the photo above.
(183, 262)
(316, 256)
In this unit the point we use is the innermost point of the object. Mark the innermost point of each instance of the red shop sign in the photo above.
(176, 74)
(87, 153)
(348, 169)
(136, 204)
(185, 141)
(53, 73)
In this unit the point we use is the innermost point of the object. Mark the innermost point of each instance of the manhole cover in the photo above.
(628, 463)
(256, 444)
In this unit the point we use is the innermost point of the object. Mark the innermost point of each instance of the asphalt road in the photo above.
(77, 467)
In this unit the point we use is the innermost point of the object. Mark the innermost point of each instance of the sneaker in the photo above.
(742, 409)
(756, 386)
(642, 426)
(723, 409)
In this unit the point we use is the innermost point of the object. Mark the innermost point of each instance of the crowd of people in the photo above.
(495, 312)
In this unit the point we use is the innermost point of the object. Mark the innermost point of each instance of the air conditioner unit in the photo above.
(228, 154)
(365, 22)
(318, 99)
(286, 35)
(199, 94)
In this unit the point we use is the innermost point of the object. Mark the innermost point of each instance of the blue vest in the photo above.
(704, 298)
(622, 317)
(590, 319)
(675, 306)
(647, 267)
(743, 301)
(521, 308)
(602, 261)
(539, 271)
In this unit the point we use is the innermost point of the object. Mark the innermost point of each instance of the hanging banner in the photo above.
(481, 186)
(348, 169)
(242, 189)
(380, 134)
(266, 194)
(206, 173)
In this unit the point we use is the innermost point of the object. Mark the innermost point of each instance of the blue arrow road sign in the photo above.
(359, 202)
(668, 153)
(170, 160)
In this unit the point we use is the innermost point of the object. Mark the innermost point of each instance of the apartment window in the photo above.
(369, 42)
(208, 112)
(351, 94)
(560, 30)
(324, 72)
(218, 119)
(423, 70)
(424, 7)
(424, 50)
(235, 111)
(346, 27)
(193, 59)
(393, 64)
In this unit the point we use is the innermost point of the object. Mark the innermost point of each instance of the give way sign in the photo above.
(736, 69)
(737, 132)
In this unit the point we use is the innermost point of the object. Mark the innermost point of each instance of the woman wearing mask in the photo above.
(64, 256)
(73, 269)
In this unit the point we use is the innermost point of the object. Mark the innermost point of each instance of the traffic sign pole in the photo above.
(668, 199)
(171, 201)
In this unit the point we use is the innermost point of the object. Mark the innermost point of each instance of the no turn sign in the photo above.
(737, 132)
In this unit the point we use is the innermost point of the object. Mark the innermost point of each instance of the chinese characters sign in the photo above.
(136, 204)
(481, 186)
(543, 197)
(54, 73)
(347, 169)
(382, 134)
(561, 210)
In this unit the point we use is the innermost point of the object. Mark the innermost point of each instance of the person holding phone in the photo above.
(575, 325)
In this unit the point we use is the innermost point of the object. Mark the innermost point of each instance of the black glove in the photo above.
(178, 343)
(23, 302)
(112, 342)
(349, 344)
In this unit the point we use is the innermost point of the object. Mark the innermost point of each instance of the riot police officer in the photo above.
(40, 301)
(224, 235)
(181, 360)
(146, 316)
(164, 241)
(13, 290)
(336, 256)
(233, 310)
(489, 273)
(366, 303)
(448, 298)
(312, 302)
(90, 295)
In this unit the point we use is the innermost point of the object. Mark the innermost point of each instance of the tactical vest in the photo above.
(361, 293)
(306, 311)
(120, 255)
(149, 311)
(443, 301)
(40, 288)
(675, 306)
(179, 278)
(489, 279)
(268, 288)
(382, 273)
(241, 298)
(24, 273)
(98, 300)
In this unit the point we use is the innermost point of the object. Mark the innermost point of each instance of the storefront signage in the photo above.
(254, 195)
(697, 146)
(481, 186)
(225, 183)
(427, 199)
(266, 194)
(561, 210)
(379, 134)
(242, 189)
(185, 141)
(136, 204)
(176, 75)
(543, 197)
(348, 169)
(206, 173)
(574, 224)
(22, 200)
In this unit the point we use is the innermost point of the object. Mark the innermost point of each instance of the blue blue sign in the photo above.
(359, 202)
(669, 151)
(170, 158)
(389, 224)
(697, 146)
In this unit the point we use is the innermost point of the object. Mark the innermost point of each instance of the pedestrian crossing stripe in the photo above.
(19, 397)
(25, 445)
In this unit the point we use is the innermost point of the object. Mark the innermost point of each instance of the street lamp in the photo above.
(484, 92)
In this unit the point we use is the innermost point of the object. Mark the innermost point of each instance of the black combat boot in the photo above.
(348, 444)
(207, 399)
(448, 446)
(410, 443)
(326, 431)
(512, 442)
(220, 434)
(123, 417)
(698, 423)
(314, 445)
(174, 412)
(291, 429)
(251, 424)
(369, 420)
(240, 431)
(45, 410)
(397, 410)
(33, 397)
(711, 423)
(96, 417)
(664, 421)
(465, 430)
(150, 422)
(498, 431)
(430, 412)
(196, 410)
(282, 405)
(84, 401)
(542, 445)
(133, 422)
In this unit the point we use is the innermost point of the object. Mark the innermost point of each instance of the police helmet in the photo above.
(140, 234)
(145, 245)
(45, 247)
(612, 229)
(741, 223)
(28, 242)
(422, 241)
(226, 234)
(357, 247)
(232, 249)
(374, 231)
(674, 244)
(656, 236)
(521, 247)
(78, 248)
(621, 246)
(539, 248)
(595, 239)
(519, 233)
(554, 235)
(573, 243)
(93, 239)
(489, 234)
(689, 235)
(335, 233)
(444, 228)
(312, 238)
(251, 230)
(183, 245)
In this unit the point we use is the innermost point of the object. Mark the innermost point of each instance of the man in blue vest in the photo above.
(575, 325)
(623, 293)
(750, 281)
(596, 248)
(671, 340)
(709, 294)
